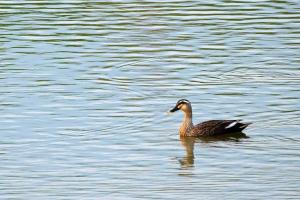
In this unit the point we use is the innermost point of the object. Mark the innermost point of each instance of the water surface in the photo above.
(85, 86)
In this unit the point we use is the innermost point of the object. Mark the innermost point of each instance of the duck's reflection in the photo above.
(189, 142)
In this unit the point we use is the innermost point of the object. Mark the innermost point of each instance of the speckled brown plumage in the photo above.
(207, 128)
(217, 127)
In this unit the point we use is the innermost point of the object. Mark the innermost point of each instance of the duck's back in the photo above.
(218, 127)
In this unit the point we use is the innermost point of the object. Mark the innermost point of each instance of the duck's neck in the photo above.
(187, 124)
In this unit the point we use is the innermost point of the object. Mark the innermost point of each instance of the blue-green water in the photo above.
(85, 86)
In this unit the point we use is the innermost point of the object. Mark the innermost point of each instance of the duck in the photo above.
(206, 128)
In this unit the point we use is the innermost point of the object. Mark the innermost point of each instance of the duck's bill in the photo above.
(174, 109)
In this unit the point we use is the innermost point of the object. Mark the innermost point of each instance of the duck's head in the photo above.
(182, 104)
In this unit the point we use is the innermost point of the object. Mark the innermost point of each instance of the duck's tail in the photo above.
(237, 126)
(242, 126)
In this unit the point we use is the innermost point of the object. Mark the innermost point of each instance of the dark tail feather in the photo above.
(242, 126)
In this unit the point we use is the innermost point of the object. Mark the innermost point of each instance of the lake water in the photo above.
(85, 86)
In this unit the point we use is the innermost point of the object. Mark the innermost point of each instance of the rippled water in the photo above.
(85, 86)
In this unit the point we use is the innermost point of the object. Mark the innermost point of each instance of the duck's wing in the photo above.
(218, 127)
